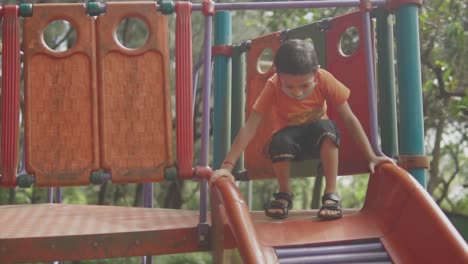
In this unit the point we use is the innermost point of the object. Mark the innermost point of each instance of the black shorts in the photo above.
(302, 142)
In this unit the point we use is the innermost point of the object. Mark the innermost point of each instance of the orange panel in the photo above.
(351, 71)
(61, 132)
(134, 96)
(257, 164)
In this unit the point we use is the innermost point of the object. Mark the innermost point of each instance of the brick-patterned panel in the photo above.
(134, 96)
(61, 133)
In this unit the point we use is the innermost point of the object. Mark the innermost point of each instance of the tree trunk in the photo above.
(434, 179)
(173, 198)
(103, 193)
(120, 192)
(316, 193)
(11, 195)
(138, 201)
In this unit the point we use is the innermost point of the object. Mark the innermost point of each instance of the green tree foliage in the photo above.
(444, 57)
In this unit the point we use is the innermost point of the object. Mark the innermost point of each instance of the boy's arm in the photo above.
(357, 132)
(246, 133)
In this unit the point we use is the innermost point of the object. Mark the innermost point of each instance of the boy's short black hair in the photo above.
(296, 57)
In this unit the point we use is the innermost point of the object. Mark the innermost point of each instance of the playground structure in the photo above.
(99, 106)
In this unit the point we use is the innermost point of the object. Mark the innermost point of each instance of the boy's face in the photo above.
(297, 86)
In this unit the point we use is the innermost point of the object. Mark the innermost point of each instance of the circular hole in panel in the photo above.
(349, 41)
(265, 61)
(59, 35)
(132, 33)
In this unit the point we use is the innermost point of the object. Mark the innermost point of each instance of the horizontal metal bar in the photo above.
(286, 4)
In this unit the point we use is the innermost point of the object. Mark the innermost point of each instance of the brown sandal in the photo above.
(275, 204)
(336, 206)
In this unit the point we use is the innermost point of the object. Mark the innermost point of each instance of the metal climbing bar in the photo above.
(10, 94)
(370, 71)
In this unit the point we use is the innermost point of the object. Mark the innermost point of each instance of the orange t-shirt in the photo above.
(287, 111)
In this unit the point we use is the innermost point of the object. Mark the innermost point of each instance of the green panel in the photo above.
(313, 31)
(386, 84)
(306, 168)
(461, 224)
(238, 97)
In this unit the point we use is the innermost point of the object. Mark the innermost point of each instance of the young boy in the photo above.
(297, 96)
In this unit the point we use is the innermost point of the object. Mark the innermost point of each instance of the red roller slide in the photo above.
(399, 223)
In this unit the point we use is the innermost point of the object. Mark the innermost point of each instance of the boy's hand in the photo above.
(221, 173)
(376, 160)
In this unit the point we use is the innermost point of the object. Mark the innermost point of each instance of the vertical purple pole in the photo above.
(147, 203)
(206, 114)
(196, 68)
(206, 92)
(58, 195)
(50, 194)
(148, 195)
(371, 79)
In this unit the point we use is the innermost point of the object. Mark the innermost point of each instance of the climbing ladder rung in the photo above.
(338, 249)
(377, 257)
(356, 252)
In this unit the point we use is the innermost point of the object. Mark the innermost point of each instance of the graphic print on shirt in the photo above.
(306, 116)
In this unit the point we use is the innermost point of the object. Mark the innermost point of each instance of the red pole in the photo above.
(10, 94)
(184, 91)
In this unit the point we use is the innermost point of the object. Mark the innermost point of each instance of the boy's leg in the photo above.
(282, 149)
(329, 158)
(282, 173)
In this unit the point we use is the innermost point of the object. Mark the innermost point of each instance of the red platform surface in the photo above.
(45, 232)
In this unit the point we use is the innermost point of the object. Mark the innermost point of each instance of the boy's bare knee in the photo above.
(328, 143)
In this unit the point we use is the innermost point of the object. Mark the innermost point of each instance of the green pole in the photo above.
(222, 90)
(410, 88)
(238, 97)
(386, 84)
(238, 106)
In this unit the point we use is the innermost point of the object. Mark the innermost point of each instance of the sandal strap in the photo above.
(330, 197)
(277, 205)
(331, 206)
(285, 196)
